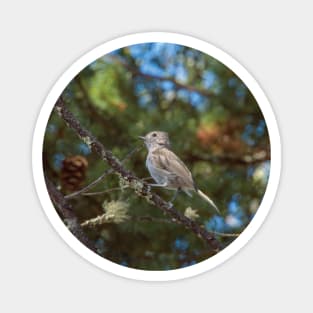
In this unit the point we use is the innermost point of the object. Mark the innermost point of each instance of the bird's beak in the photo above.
(141, 137)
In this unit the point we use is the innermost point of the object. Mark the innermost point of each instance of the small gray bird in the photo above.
(167, 169)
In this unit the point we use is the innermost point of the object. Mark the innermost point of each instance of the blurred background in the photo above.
(215, 126)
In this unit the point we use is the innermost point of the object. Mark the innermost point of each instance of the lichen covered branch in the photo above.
(128, 178)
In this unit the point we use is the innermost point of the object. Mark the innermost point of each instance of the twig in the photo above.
(100, 178)
(95, 182)
(140, 187)
(66, 211)
(110, 189)
(103, 191)
(101, 219)
(115, 213)
(95, 221)
(225, 234)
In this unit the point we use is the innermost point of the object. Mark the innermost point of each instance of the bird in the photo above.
(167, 169)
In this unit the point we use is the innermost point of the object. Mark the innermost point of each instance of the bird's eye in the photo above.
(154, 135)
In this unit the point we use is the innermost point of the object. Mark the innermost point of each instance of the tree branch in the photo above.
(136, 72)
(128, 178)
(66, 211)
(102, 219)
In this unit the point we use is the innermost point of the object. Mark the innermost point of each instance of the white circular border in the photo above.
(38, 173)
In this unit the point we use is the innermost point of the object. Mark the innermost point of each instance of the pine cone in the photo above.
(73, 172)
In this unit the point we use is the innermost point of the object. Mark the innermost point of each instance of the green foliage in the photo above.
(215, 126)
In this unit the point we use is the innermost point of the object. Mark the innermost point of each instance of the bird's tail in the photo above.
(206, 198)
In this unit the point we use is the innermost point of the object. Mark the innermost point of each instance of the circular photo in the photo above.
(155, 156)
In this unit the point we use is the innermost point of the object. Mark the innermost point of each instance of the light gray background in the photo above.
(39, 40)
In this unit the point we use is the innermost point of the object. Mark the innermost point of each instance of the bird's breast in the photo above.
(155, 172)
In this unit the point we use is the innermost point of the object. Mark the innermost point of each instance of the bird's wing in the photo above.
(170, 162)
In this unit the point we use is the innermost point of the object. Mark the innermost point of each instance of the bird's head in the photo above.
(156, 139)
